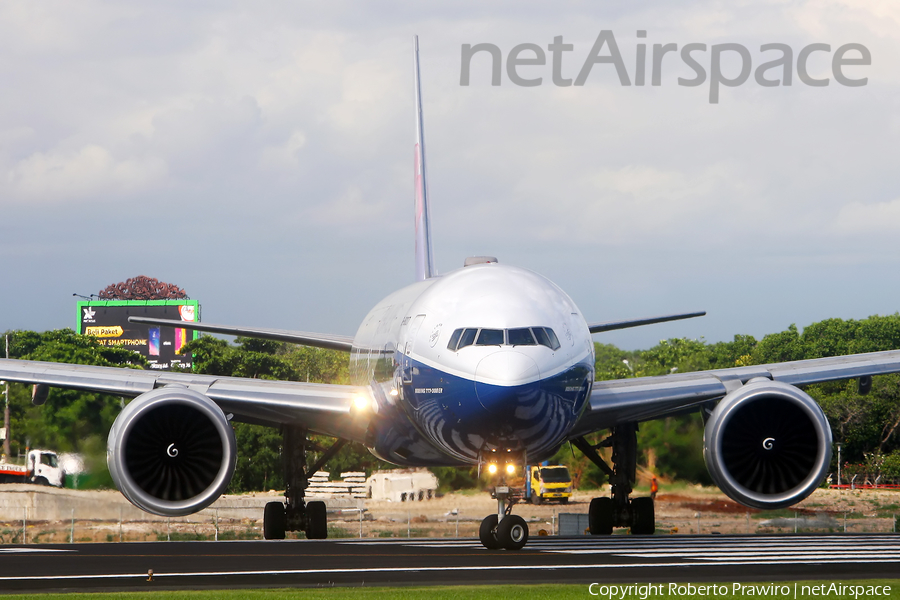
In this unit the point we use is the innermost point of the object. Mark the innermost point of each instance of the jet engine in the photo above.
(767, 444)
(171, 451)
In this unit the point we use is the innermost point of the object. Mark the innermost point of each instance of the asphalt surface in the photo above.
(370, 562)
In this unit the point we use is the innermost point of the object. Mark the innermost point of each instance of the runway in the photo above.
(354, 562)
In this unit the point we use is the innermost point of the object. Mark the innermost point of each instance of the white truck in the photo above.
(41, 467)
(402, 485)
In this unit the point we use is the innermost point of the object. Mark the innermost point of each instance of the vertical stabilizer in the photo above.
(424, 262)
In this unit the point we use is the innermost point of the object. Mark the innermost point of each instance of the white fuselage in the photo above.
(488, 358)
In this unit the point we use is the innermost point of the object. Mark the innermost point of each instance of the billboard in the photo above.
(107, 320)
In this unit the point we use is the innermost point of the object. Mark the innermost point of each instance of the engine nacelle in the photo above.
(767, 445)
(171, 451)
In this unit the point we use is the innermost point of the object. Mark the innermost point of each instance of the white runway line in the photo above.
(442, 569)
(793, 550)
(728, 552)
(31, 550)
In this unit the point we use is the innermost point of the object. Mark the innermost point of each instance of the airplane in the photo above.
(489, 365)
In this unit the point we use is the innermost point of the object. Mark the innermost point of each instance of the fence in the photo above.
(864, 481)
(245, 523)
(782, 521)
(222, 523)
(226, 522)
(36, 514)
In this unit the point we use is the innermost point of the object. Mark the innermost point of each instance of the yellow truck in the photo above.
(548, 482)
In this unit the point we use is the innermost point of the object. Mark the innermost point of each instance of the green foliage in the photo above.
(451, 479)
(609, 362)
(779, 347)
(674, 446)
(259, 465)
(875, 464)
(70, 420)
(97, 473)
(254, 359)
(863, 424)
(80, 421)
(890, 465)
(558, 591)
(675, 355)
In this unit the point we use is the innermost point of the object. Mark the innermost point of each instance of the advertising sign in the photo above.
(107, 320)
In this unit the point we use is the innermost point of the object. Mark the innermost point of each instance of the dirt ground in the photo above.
(681, 510)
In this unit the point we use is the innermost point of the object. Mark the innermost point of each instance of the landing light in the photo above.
(360, 402)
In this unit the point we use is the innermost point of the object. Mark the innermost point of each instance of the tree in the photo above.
(779, 347)
(69, 416)
(71, 420)
(80, 421)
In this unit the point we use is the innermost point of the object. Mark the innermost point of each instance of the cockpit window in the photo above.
(490, 337)
(454, 340)
(546, 337)
(468, 338)
(554, 342)
(542, 337)
(520, 337)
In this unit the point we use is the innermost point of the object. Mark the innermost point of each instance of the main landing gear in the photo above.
(503, 529)
(618, 510)
(295, 514)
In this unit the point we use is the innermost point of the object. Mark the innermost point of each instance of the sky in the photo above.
(260, 156)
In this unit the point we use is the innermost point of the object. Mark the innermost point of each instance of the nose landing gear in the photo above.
(504, 529)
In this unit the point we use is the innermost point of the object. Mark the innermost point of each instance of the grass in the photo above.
(474, 592)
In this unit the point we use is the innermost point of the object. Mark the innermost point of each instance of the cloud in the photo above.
(876, 218)
(88, 172)
(284, 156)
(286, 130)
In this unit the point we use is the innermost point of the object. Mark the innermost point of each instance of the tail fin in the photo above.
(424, 263)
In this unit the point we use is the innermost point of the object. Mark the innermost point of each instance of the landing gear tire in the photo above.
(512, 532)
(317, 527)
(600, 516)
(644, 520)
(274, 521)
(536, 498)
(487, 533)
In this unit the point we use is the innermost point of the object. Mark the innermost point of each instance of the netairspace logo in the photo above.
(705, 62)
(772, 590)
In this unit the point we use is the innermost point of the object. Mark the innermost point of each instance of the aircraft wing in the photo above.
(628, 323)
(329, 341)
(323, 408)
(645, 398)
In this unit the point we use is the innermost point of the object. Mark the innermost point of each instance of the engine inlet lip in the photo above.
(118, 442)
(727, 409)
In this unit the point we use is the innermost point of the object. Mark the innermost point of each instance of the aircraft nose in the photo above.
(504, 378)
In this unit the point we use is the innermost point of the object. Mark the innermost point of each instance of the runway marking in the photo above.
(805, 549)
(31, 550)
(671, 552)
(419, 570)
